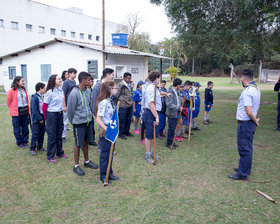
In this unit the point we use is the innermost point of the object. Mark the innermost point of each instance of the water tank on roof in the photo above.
(119, 39)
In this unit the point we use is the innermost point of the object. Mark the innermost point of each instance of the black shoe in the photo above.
(112, 177)
(277, 129)
(122, 137)
(168, 146)
(196, 129)
(78, 171)
(103, 180)
(64, 140)
(176, 145)
(235, 169)
(21, 146)
(90, 165)
(25, 145)
(235, 177)
(129, 135)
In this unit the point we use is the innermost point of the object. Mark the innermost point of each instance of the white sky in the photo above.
(154, 20)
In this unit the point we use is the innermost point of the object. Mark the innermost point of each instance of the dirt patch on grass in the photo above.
(135, 192)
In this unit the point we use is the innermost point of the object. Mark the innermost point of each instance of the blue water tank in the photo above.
(119, 39)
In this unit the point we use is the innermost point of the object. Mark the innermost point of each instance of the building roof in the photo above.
(98, 47)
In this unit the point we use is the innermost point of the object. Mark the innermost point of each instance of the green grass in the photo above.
(189, 185)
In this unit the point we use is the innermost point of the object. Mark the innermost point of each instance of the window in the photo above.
(63, 33)
(81, 36)
(45, 72)
(52, 31)
(29, 27)
(41, 29)
(97, 38)
(14, 25)
(12, 72)
(73, 34)
(1, 23)
(90, 37)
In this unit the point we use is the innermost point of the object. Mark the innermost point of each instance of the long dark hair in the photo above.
(63, 75)
(105, 92)
(15, 85)
(51, 82)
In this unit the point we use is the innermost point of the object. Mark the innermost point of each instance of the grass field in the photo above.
(189, 185)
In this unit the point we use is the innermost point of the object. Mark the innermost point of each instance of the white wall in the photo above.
(136, 65)
(61, 56)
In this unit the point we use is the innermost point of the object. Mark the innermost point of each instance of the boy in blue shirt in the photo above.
(38, 122)
(197, 105)
(137, 98)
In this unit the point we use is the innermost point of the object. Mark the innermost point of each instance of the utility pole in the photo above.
(103, 32)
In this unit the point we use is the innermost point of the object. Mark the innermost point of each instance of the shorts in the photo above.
(149, 119)
(82, 133)
(137, 113)
(196, 111)
(207, 109)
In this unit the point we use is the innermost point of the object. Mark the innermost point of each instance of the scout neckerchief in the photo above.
(253, 84)
(21, 94)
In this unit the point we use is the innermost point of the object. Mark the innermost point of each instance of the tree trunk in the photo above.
(193, 66)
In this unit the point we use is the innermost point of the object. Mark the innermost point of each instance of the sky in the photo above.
(154, 20)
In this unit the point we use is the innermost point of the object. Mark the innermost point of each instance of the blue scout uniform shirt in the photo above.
(149, 96)
(137, 98)
(197, 98)
(251, 97)
(21, 98)
(187, 101)
(55, 99)
(105, 110)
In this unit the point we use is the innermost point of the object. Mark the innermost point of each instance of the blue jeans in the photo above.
(38, 132)
(104, 157)
(278, 116)
(125, 115)
(172, 123)
(54, 129)
(162, 123)
(245, 135)
(21, 131)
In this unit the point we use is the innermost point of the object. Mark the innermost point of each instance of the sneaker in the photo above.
(112, 177)
(142, 142)
(136, 132)
(157, 157)
(149, 159)
(64, 156)
(176, 145)
(196, 129)
(122, 137)
(33, 152)
(205, 122)
(210, 122)
(168, 146)
(179, 139)
(91, 165)
(53, 160)
(139, 130)
(21, 146)
(42, 149)
(64, 140)
(25, 145)
(77, 170)
(129, 135)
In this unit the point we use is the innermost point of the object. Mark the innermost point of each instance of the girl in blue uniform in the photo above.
(137, 98)
(104, 112)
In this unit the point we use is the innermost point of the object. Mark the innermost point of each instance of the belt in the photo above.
(238, 121)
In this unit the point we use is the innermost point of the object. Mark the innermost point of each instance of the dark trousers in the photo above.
(172, 123)
(38, 132)
(54, 128)
(104, 157)
(278, 116)
(143, 127)
(245, 135)
(20, 126)
(125, 115)
(162, 123)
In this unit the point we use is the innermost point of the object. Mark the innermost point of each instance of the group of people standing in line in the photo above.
(62, 101)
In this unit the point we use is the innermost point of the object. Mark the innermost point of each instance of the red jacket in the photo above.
(12, 102)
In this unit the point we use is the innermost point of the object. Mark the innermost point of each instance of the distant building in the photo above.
(38, 62)
(25, 23)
